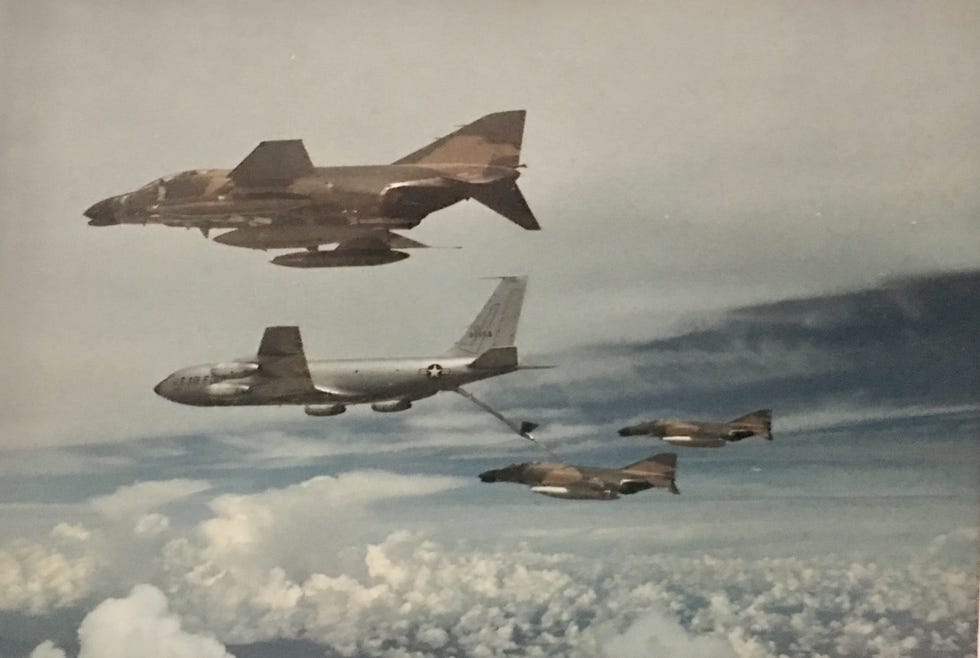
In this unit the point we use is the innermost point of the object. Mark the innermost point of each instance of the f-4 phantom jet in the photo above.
(701, 434)
(588, 482)
(276, 199)
(280, 373)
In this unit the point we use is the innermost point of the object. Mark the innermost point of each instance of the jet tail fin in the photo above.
(496, 324)
(759, 421)
(493, 140)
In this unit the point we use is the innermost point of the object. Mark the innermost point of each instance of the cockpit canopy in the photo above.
(178, 186)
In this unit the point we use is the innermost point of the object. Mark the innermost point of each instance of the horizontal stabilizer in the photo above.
(506, 199)
(396, 241)
(495, 358)
(273, 163)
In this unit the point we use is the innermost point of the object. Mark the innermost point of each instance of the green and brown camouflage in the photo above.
(560, 480)
(702, 434)
(276, 199)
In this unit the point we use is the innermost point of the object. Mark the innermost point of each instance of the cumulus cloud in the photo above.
(656, 634)
(133, 499)
(311, 562)
(37, 577)
(138, 625)
(141, 624)
(47, 649)
(151, 525)
(420, 597)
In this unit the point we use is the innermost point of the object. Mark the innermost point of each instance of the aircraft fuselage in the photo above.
(348, 381)
(391, 196)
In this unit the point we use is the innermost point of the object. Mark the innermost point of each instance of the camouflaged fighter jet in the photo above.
(280, 373)
(276, 199)
(700, 434)
(590, 483)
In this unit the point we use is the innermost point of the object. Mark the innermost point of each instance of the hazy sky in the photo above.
(684, 159)
(681, 157)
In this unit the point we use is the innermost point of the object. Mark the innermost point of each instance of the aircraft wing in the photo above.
(282, 363)
(273, 163)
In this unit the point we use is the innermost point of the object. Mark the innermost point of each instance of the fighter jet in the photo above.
(590, 483)
(700, 434)
(276, 199)
(280, 373)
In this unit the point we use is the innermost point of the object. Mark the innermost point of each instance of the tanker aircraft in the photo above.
(702, 434)
(280, 373)
(276, 199)
(560, 480)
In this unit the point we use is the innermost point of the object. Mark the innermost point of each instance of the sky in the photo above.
(775, 206)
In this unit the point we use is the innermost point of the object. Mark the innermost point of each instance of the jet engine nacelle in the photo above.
(233, 370)
(324, 409)
(392, 405)
(227, 390)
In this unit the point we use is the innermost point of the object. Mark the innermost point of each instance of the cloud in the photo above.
(131, 500)
(142, 625)
(417, 595)
(654, 633)
(37, 577)
(47, 649)
(323, 561)
(151, 525)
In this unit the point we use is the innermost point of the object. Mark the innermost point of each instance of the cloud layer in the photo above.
(298, 563)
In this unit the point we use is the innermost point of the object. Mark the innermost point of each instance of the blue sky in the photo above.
(774, 207)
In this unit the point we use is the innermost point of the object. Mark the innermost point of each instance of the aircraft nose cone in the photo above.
(488, 476)
(158, 389)
(102, 213)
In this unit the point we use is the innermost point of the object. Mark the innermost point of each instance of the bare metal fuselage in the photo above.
(347, 381)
